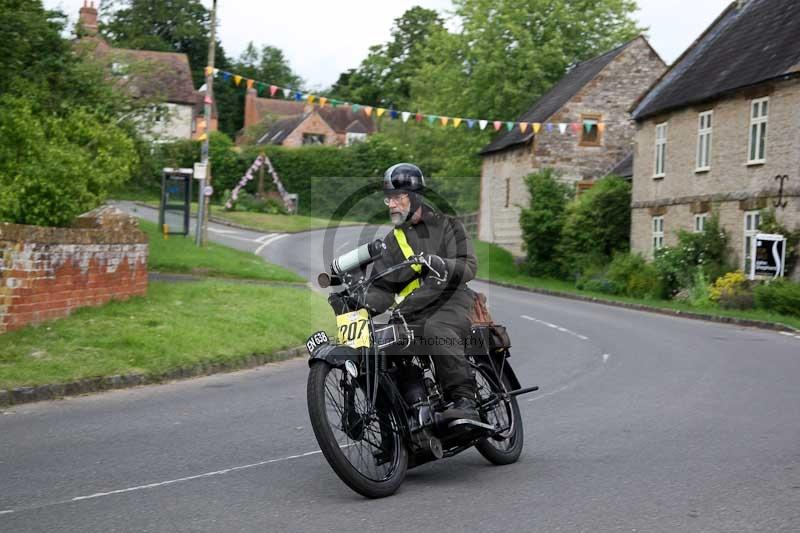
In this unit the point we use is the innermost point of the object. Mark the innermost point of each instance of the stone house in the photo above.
(598, 92)
(717, 129)
(163, 78)
(290, 123)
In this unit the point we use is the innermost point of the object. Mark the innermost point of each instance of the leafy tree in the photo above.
(383, 78)
(542, 222)
(597, 224)
(52, 168)
(510, 52)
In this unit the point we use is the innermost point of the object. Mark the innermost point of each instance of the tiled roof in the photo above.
(159, 75)
(340, 119)
(278, 108)
(281, 129)
(569, 85)
(750, 42)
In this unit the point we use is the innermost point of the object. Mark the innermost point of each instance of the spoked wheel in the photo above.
(364, 449)
(505, 447)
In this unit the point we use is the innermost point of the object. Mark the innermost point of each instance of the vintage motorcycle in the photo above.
(373, 399)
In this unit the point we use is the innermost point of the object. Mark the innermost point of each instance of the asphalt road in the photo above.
(643, 423)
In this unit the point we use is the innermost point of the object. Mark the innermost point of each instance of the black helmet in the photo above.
(403, 177)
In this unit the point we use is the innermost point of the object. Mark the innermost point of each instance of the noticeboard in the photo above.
(768, 256)
(176, 196)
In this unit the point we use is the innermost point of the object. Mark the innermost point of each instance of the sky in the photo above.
(322, 41)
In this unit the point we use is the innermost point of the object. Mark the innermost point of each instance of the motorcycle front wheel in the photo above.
(364, 449)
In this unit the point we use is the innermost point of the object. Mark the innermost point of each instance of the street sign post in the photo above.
(768, 255)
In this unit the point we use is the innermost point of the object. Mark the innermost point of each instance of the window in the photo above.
(752, 219)
(700, 222)
(661, 150)
(590, 131)
(355, 138)
(704, 141)
(658, 233)
(313, 138)
(759, 110)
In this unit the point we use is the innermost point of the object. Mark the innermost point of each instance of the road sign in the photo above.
(208, 190)
(200, 171)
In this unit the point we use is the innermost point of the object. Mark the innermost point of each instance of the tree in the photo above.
(383, 78)
(542, 222)
(508, 53)
(598, 224)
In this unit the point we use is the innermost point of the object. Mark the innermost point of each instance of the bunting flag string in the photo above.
(576, 128)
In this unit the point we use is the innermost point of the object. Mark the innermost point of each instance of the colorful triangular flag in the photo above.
(209, 70)
(356, 108)
(298, 96)
(587, 125)
(310, 98)
(482, 124)
(418, 117)
(250, 84)
(601, 126)
(394, 114)
(379, 112)
(273, 89)
(226, 75)
(444, 120)
(497, 125)
(536, 127)
(405, 115)
(509, 126)
(576, 127)
(457, 122)
(216, 72)
(368, 110)
(237, 80)
(523, 126)
(323, 101)
(260, 88)
(286, 93)
(549, 127)
(470, 123)
(562, 127)
(432, 119)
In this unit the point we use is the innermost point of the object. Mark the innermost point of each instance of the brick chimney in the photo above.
(250, 112)
(88, 18)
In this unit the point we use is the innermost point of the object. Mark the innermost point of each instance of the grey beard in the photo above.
(398, 218)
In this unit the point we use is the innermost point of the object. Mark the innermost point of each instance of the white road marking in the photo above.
(263, 237)
(224, 231)
(554, 326)
(545, 395)
(789, 334)
(605, 357)
(6, 512)
(269, 241)
(189, 478)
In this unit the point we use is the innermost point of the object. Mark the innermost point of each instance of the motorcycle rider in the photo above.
(440, 301)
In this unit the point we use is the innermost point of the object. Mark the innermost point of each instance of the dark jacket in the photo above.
(436, 233)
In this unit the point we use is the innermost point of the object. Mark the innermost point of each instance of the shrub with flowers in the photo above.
(732, 291)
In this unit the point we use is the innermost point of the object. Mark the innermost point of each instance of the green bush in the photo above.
(779, 296)
(596, 226)
(542, 222)
(707, 250)
(53, 168)
(636, 277)
(249, 202)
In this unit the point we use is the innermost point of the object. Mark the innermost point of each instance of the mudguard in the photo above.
(334, 354)
(497, 362)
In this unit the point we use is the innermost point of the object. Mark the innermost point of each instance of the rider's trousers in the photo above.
(444, 334)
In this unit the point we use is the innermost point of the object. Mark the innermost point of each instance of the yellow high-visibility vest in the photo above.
(407, 252)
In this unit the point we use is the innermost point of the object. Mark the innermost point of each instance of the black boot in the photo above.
(463, 408)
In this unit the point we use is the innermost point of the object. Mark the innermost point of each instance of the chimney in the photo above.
(88, 18)
(250, 111)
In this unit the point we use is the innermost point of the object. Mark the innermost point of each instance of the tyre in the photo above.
(366, 451)
(506, 447)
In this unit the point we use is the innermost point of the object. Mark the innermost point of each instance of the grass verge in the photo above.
(497, 264)
(175, 325)
(179, 254)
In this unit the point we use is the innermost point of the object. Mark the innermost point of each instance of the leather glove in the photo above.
(341, 302)
(435, 267)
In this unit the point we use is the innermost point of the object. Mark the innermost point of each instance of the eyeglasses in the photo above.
(395, 198)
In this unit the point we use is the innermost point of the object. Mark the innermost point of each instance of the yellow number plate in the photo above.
(353, 328)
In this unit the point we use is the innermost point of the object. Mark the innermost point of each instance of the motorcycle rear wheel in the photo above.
(349, 440)
(505, 448)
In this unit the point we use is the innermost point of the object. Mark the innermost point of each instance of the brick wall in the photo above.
(609, 95)
(46, 273)
(731, 186)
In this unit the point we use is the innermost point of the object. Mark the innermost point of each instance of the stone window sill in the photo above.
(756, 163)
